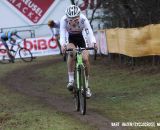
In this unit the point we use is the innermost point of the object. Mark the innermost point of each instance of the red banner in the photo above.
(34, 10)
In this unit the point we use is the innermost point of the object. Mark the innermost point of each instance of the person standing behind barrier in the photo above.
(55, 33)
(8, 36)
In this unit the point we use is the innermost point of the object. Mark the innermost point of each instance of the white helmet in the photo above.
(73, 11)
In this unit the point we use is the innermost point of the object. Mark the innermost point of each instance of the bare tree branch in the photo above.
(94, 10)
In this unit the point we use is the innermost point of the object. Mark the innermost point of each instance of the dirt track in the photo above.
(21, 79)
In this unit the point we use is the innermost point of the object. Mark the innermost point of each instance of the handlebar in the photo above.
(80, 49)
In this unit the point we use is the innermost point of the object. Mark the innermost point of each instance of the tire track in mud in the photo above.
(20, 80)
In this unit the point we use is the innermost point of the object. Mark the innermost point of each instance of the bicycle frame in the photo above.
(15, 50)
(79, 62)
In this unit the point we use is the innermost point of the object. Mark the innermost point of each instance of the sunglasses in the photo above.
(74, 20)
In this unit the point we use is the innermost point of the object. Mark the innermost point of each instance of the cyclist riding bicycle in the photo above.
(8, 36)
(55, 26)
(73, 26)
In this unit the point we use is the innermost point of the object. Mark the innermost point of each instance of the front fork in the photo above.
(79, 76)
(79, 66)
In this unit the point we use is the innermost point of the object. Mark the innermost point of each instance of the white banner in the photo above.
(103, 42)
(96, 34)
(42, 46)
(38, 46)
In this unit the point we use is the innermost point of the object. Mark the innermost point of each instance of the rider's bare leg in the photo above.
(85, 56)
(70, 63)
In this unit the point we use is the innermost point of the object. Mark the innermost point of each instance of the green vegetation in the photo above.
(119, 93)
(125, 94)
(20, 112)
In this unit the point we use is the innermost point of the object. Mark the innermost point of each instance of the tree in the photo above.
(124, 13)
(134, 13)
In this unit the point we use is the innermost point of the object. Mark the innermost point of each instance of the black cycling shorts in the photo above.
(77, 40)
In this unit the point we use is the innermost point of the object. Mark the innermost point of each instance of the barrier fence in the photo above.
(127, 43)
(130, 42)
(41, 46)
(133, 42)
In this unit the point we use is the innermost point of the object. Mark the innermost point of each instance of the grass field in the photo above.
(119, 93)
(19, 112)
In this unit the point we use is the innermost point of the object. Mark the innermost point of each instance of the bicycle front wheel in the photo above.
(76, 100)
(82, 92)
(25, 55)
(76, 93)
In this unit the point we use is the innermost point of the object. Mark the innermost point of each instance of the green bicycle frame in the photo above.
(79, 62)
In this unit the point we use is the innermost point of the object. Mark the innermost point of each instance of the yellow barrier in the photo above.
(134, 42)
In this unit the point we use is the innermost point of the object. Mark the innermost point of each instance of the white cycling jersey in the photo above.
(82, 27)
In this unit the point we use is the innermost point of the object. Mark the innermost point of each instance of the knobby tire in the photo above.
(82, 92)
(25, 55)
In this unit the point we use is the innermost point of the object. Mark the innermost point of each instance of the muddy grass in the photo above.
(30, 81)
(23, 80)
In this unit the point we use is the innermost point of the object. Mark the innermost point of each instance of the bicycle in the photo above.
(24, 53)
(79, 89)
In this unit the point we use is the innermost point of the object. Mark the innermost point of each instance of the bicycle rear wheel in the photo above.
(4, 59)
(25, 55)
(82, 92)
